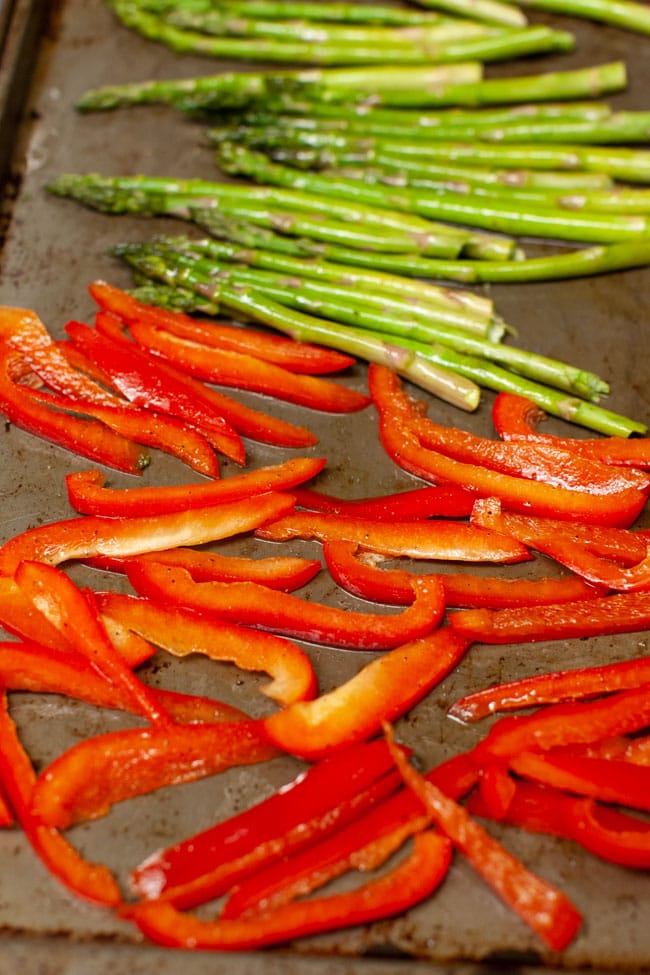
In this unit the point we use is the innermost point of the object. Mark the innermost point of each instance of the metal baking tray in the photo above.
(52, 250)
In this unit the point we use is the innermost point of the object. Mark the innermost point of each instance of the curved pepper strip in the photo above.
(142, 426)
(88, 494)
(620, 613)
(383, 690)
(301, 357)
(552, 688)
(247, 421)
(565, 724)
(547, 911)
(145, 382)
(270, 609)
(282, 572)
(449, 540)
(402, 887)
(418, 503)
(27, 666)
(83, 537)
(235, 369)
(364, 579)
(90, 777)
(612, 835)
(581, 556)
(74, 613)
(88, 438)
(516, 418)
(398, 433)
(321, 800)
(548, 461)
(181, 632)
(93, 882)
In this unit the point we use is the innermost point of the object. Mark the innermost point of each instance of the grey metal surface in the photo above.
(53, 250)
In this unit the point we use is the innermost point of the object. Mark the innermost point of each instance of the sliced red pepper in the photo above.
(90, 777)
(364, 579)
(427, 502)
(576, 548)
(181, 632)
(546, 910)
(399, 435)
(561, 724)
(300, 357)
(383, 690)
(315, 804)
(142, 426)
(289, 615)
(620, 613)
(88, 494)
(148, 383)
(74, 613)
(607, 833)
(449, 540)
(81, 436)
(282, 572)
(83, 537)
(405, 885)
(516, 418)
(247, 372)
(94, 882)
(548, 461)
(552, 688)
(607, 779)
(28, 666)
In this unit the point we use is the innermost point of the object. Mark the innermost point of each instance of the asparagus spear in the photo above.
(491, 11)
(258, 307)
(514, 43)
(620, 13)
(347, 13)
(544, 222)
(150, 195)
(551, 267)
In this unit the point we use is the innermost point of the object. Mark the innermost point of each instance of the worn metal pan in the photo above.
(52, 250)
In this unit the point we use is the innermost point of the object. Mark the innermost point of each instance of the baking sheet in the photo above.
(54, 248)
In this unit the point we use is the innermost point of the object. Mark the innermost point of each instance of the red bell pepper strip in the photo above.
(547, 911)
(620, 613)
(552, 688)
(93, 882)
(28, 666)
(88, 495)
(418, 503)
(81, 436)
(301, 357)
(364, 579)
(181, 632)
(610, 780)
(289, 615)
(90, 777)
(581, 556)
(516, 418)
(75, 614)
(248, 372)
(608, 833)
(282, 572)
(142, 426)
(399, 435)
(411, 881)
(146, 382)
(384, 689)
(82, 537)
(449, 540)
(316, 803)
(561, 724)
(248, 422)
